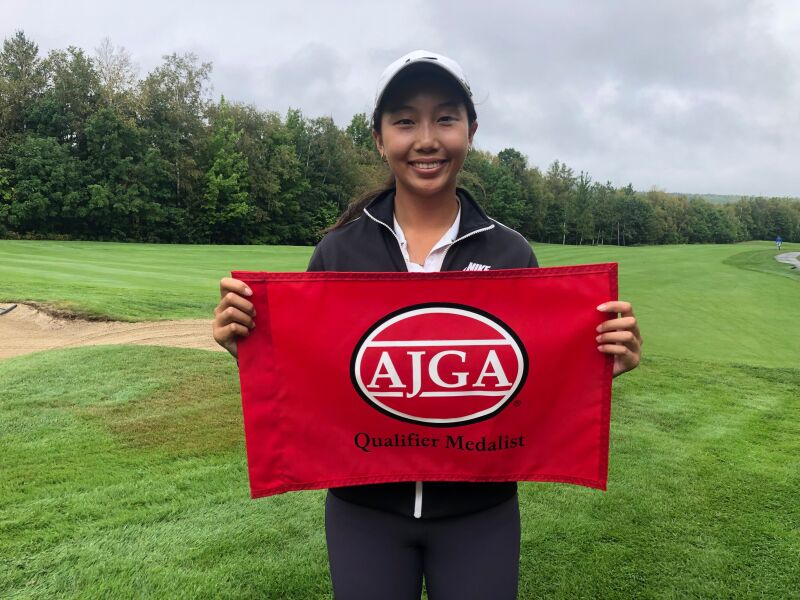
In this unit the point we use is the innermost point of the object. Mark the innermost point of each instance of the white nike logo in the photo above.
(477, 267)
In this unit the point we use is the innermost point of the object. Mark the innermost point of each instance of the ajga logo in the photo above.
(439, 364)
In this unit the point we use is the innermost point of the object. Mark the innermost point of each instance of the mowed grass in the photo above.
(708, 302)
(702, 302)
(132, 282)
(124, 473)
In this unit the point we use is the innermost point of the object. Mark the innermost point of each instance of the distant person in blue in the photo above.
(778, 242)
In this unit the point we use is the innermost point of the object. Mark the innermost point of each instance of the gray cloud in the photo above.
(697, 96)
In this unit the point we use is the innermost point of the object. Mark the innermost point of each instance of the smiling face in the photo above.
(425, 133)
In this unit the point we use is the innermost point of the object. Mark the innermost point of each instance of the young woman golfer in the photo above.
(463, 537)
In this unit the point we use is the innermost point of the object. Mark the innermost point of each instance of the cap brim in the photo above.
(432, 65)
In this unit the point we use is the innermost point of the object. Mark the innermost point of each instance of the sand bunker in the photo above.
(27, 329)
(791, 258)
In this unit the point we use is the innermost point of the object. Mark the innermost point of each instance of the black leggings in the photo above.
(375, 554)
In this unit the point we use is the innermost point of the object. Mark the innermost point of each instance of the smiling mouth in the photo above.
(425, 165)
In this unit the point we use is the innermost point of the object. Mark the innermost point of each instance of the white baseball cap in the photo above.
(450, 66)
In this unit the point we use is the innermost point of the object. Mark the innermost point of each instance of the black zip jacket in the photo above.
(369, 244)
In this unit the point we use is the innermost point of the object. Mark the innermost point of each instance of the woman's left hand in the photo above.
(620, 336)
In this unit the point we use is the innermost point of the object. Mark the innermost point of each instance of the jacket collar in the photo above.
(473, 219)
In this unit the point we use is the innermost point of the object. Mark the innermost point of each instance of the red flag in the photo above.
(357, 378)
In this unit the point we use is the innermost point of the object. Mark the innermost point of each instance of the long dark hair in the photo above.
(357, 205)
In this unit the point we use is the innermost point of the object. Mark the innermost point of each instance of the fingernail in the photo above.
(248, 292)
(601, 307)
(599, 328)
(597, 339)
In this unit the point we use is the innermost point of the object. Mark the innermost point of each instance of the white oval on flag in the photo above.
(439, 364)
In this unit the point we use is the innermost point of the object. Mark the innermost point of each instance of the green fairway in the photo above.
(132, 282)
(704, 302)
(124, 472)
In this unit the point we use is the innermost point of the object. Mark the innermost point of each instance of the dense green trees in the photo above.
(90, 151)
(22, 79)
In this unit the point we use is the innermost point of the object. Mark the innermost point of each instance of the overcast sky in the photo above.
(688, 96)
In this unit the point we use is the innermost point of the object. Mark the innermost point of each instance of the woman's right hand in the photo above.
(233, 316)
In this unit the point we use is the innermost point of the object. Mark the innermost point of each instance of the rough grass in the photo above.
(124, 476)
(763, 261)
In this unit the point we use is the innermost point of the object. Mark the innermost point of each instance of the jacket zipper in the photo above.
(394, 235)
(384, 224)
(463, 237)
(418, 500)
(418, 484)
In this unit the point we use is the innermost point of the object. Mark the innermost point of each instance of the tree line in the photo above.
(88, 150)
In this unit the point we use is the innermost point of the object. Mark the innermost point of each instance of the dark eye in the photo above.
(448, 118)
(403, 122)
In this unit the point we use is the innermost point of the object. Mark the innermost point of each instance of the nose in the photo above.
(427, 141)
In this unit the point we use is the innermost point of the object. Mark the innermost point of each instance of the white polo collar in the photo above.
(448, 238)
